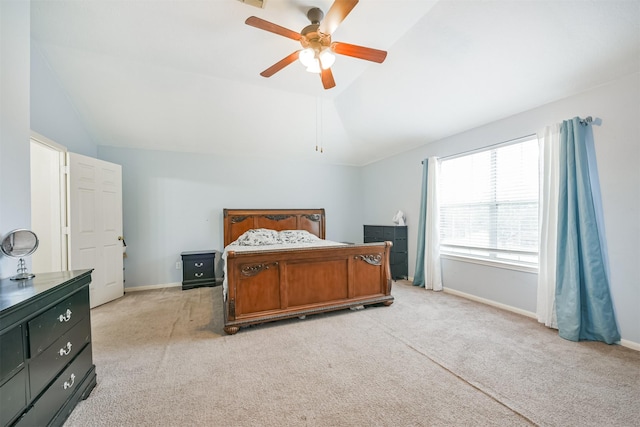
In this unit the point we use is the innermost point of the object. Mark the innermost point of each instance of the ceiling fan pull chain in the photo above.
(321, 127)
(319, 124)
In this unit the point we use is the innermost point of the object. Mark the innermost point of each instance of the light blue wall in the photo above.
(52, 114)
(394, 184)
(173, 202)
(15, 201)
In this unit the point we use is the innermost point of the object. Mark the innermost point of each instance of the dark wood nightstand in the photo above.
(198, 269)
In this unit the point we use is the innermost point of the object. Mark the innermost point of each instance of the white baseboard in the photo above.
(152, 287)
(630, 344)
(625, 343)
(491, 303)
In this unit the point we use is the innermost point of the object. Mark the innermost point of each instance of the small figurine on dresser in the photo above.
(399, 218)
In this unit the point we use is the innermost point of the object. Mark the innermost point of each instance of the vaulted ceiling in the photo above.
(183, 75)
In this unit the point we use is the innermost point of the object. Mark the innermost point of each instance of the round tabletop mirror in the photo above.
(18, 244)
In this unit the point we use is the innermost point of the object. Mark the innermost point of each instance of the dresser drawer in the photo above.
(60, 390)
(47, 327)
(373, 233)
(399, 271)
(43, 368)
(11, 352)
(399, 245)
(395, 232)
(389, 233)
(13, 397)
(397, 258)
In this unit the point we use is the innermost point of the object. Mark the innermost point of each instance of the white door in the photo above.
(95, 222)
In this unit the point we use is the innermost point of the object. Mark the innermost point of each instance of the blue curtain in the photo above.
(418, 277)
(583, 302)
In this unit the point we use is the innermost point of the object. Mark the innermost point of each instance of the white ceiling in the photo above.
(183, 75)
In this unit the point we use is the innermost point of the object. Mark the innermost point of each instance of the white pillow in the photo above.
(258, 237)
(297, 236)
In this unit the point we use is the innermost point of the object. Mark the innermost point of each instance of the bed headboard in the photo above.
(237, 221)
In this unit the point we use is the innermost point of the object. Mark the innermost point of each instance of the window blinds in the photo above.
(489, 203)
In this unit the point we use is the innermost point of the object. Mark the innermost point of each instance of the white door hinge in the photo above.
(65, 169)
(66, 230)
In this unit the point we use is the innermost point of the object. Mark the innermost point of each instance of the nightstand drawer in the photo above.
(197, 268)
(47, 327)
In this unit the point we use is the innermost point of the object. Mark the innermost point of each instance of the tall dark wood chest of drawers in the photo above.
(198, 269)
(46, 363)
(396, 234)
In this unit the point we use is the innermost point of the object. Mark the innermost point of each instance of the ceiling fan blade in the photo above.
(327, 78)
(336, 14)
(361, 52)
(254, 21)
(280, 64)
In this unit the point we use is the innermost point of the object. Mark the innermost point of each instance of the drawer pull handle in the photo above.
(64, 352)
(65, 317)
(69, 384)
(199, 274)
(199, 264)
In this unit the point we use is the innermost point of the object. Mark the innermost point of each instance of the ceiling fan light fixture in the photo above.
(327, 58)
(314, 67)
(318, 50)
(307, 56)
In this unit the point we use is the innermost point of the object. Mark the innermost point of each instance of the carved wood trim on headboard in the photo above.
(237, 221)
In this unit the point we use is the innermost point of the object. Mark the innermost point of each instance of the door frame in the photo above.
(62, 178)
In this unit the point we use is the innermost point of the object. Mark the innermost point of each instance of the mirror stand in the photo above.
(23, 273)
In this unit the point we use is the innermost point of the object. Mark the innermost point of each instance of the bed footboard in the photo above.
(268, 286)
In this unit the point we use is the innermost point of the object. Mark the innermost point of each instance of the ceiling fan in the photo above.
(317, 52)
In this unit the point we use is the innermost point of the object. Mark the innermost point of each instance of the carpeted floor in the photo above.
(430, 359)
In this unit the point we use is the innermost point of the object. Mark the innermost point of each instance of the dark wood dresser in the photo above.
(198, 269)
(396, 234)
(46, 364)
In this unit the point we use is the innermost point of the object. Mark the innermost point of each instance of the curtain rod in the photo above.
(586, 121)
(486, 147)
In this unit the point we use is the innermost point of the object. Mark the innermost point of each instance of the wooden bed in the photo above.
(278, 284)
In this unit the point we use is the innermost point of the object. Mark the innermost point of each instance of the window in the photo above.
(489, 204)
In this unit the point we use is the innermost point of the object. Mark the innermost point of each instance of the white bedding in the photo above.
(259, 248)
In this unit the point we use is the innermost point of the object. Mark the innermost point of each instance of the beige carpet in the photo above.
(430, 359)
